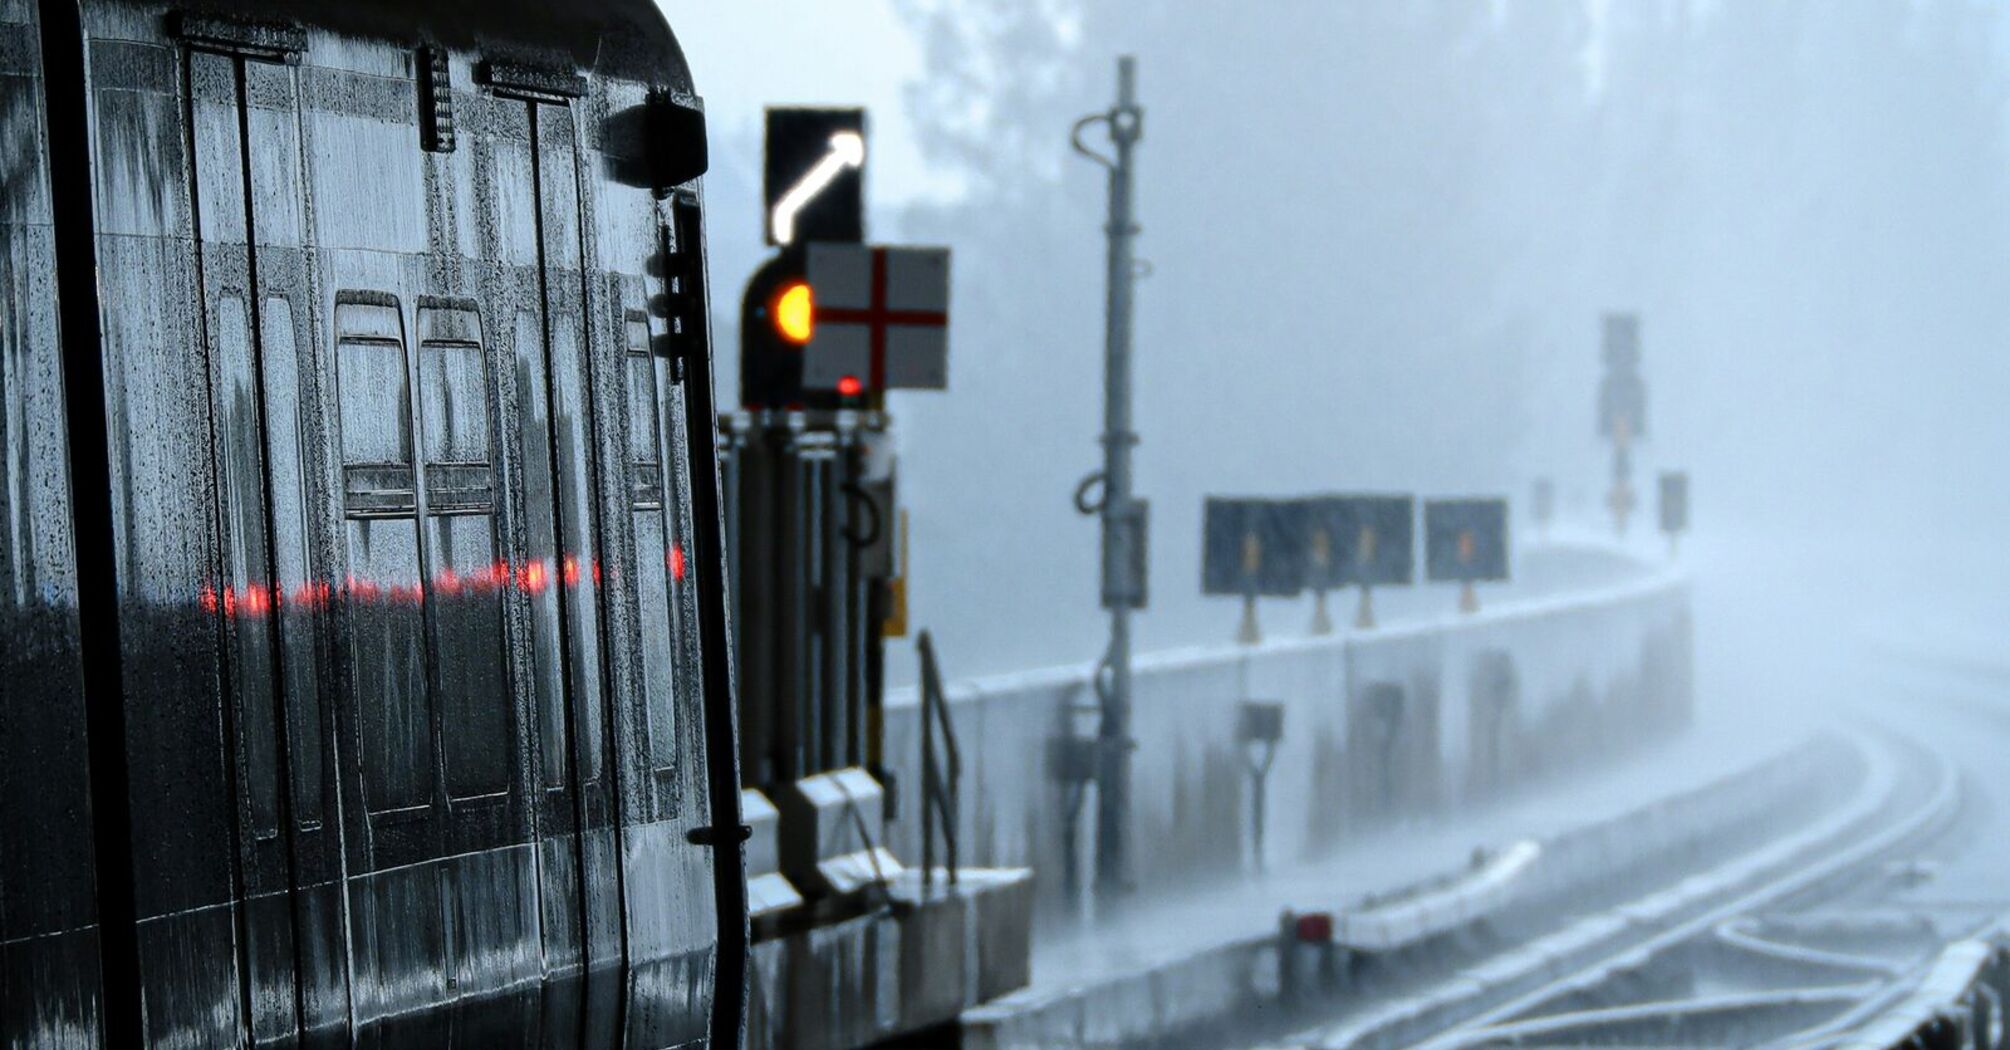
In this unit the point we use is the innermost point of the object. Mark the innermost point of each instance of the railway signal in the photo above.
(776, 319)
(1359, 541)
(1466, 541)
(1674, 505)
(1622, 408)
(828, 324)
(813, 169)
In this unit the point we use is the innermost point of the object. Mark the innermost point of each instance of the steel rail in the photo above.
(1939, 805)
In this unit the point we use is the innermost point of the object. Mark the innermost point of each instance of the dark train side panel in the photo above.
(49, 957)
(397, 355)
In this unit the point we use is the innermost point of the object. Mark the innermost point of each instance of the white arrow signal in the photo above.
(847, 151)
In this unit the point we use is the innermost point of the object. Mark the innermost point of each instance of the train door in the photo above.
(607, 476)
(443, 891)
(535, 178)
(680, 936)
(270, 586)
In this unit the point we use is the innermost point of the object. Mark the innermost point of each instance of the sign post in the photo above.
(1622, 409)
(1259, 726)
(1674, 507)
(1252, 548)
(1466, 541)
(1368, 542)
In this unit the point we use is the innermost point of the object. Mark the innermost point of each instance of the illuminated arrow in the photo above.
(847, 151)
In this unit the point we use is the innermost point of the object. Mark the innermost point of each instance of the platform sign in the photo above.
(1358, 540)
(813, 176)
(1466, 539)
(1674, 502)
(1622, 394)
(1252, 547)
(881, 319)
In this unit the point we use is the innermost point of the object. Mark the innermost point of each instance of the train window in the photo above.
(383, 591)
(654, 549)
(466, 591)
(370, 364)
(453, 380)
(644, 452)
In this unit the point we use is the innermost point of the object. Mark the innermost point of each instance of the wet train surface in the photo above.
(360, 566)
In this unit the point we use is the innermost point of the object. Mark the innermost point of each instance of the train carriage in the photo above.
(361, 569)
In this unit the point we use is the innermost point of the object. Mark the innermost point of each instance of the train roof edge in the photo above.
(625, 38)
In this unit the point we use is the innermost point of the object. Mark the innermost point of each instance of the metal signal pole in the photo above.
(1122, 516)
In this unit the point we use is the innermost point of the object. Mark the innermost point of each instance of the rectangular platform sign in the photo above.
(1466, 539)
(1252, 547)
(1362, 540)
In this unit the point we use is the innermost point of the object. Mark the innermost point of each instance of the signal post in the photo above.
(828, 324)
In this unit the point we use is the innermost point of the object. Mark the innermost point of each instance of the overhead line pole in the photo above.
(1122, 516)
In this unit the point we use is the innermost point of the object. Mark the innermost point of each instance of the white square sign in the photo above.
(882, 318)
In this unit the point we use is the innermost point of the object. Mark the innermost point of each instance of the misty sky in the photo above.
(1382, 235)
(824, 52)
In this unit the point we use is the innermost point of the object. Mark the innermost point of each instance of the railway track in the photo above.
(1734, 953)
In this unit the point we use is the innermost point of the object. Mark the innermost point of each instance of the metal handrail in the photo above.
(938, 789)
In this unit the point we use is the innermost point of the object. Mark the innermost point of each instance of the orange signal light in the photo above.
(796, 313)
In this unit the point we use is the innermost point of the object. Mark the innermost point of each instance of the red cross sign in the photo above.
(882, 318)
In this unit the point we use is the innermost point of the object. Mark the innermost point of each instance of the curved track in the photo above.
(1727, 955)
(1555, 1013)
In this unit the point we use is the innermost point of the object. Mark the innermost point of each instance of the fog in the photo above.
(1381, 236)
(1380, 240)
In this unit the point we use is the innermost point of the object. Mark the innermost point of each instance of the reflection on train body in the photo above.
(393, 721)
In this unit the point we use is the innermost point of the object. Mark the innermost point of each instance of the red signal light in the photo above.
(849, 386)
